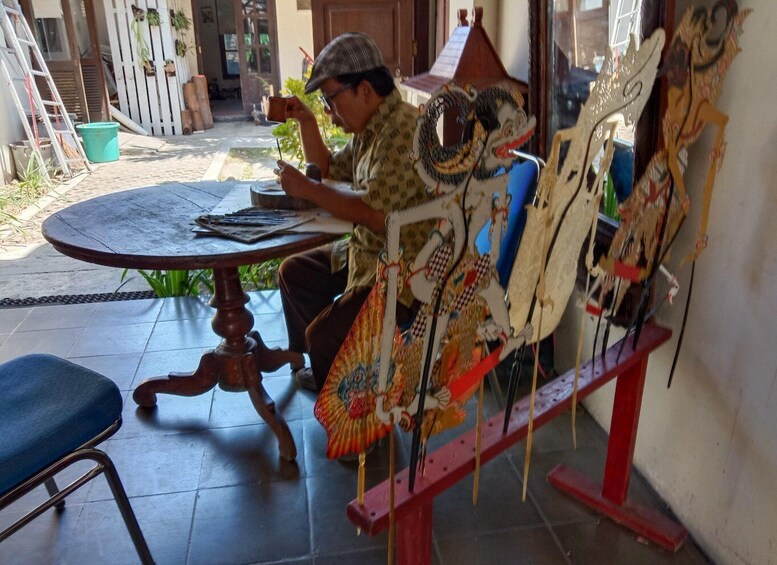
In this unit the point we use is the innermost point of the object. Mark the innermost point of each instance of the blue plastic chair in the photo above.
(521, 186)
(52, 414)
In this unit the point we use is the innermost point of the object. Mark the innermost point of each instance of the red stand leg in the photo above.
(414, 536)
(609, 498)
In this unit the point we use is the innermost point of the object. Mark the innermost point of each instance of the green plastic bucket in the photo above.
(101, 141)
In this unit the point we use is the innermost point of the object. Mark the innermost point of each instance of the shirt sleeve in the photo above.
(341, 164)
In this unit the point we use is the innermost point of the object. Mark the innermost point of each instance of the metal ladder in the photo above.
(627, 15)
(15, 56)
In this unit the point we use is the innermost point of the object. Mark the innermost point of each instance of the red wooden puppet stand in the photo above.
(456, 460)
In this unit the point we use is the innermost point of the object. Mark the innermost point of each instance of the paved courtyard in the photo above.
(31, 268)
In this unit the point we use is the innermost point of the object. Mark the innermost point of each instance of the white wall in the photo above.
(511, 40)
(490, 15)
(11, 128)
(709, 444)
(295, 30)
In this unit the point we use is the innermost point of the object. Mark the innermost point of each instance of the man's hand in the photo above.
(293, 182)
(297, 110)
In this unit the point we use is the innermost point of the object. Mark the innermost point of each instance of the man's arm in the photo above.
(345, 204)
(313, 146)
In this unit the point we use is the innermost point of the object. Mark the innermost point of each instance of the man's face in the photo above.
(344, 105)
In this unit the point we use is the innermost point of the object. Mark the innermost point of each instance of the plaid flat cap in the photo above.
(350, 52)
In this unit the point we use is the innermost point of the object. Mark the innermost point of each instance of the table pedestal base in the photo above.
(236, 365)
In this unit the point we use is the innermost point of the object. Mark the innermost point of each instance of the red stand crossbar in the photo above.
(456, 460)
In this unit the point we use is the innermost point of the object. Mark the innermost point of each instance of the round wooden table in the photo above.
(151, 228)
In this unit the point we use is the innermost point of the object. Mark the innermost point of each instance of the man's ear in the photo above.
(366, 89)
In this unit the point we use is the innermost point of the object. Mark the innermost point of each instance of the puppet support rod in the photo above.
(456, 460)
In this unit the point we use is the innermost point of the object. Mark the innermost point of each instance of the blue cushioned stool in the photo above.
(52, 414)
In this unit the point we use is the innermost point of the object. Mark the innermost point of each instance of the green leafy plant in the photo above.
(610, 200)
(288, 133)
(142, 48)
(33, 183)
(152, 17)
(262, 276)
(174, 282)
(181, 48)
(179, 21)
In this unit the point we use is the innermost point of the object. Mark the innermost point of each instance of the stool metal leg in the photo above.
(53, 489)
(120, 495)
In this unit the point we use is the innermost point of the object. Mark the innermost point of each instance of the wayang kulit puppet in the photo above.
(568, 196)
(699, 56)
(420, 376)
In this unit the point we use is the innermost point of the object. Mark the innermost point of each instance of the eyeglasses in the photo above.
(328, 99)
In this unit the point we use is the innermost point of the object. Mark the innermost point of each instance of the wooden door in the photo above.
(388, 22)
(258, 50)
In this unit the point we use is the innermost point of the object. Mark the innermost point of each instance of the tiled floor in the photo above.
(204, 476)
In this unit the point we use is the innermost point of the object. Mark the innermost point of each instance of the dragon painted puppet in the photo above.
(699, 57)
(383, 375)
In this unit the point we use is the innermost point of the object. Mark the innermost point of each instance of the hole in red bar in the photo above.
(372, 514)
(431, 461)
(445, 469)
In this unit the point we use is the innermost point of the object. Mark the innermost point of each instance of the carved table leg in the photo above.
(235, 364)
(182, 384)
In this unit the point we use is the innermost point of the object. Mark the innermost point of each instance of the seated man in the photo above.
(323, 290)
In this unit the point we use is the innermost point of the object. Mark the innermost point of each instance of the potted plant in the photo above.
(170, 67)
(152, 16)
(181, 48)
(143, 51)
(179, 21)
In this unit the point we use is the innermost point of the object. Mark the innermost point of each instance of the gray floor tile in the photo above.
(124, 312)
(265, 302)
(248, 454)
(119, 368)
(56, 342)
(185, 308)
(509, 547)
(154, 465)
(499, 504)
(98, 340)
(604, 541)
(332, 532)
(182, 334)
(10, 318)
(172, 415)
(249, 515)
(57, 316)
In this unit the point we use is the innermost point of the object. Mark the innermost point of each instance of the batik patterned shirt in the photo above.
(377, 163)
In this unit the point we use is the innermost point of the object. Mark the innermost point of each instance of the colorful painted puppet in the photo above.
(462, 303)
(696, 64)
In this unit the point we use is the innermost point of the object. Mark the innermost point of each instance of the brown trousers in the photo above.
(319, 313)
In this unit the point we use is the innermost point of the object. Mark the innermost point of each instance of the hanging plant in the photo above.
(143, 51)
(153, 17)
(179, 21)
(181, 48)
(170, 67)
(138, 14)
